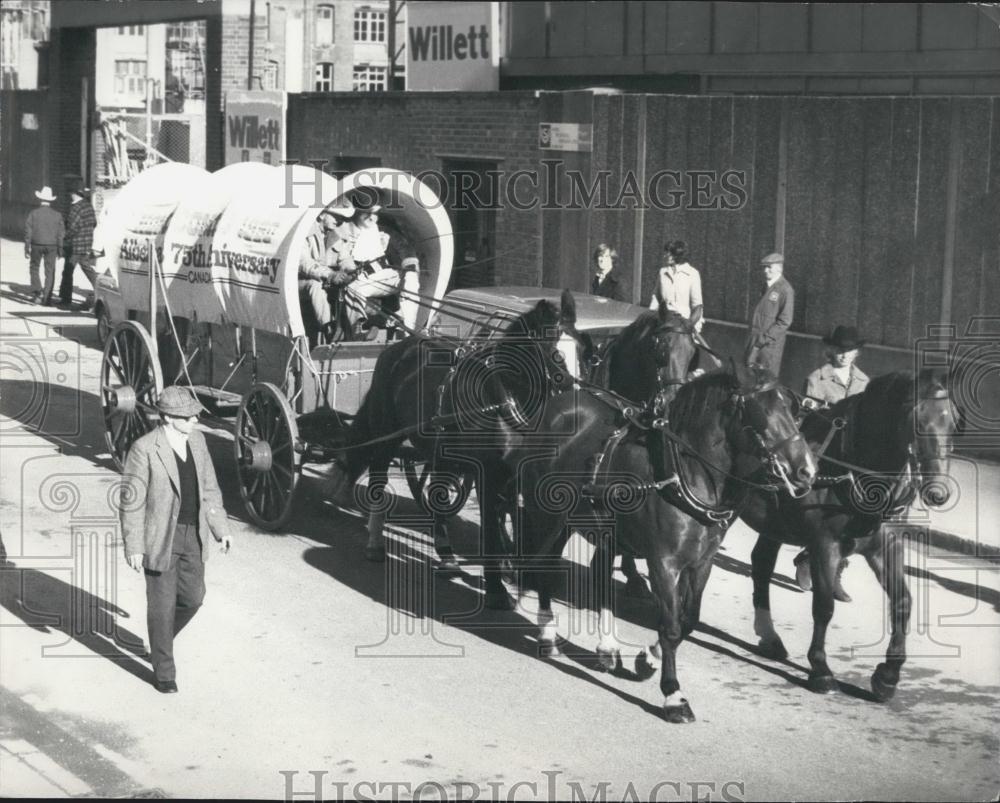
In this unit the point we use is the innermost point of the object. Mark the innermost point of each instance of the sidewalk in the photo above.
(969, 524)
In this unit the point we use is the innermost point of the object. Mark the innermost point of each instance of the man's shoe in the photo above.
(64, 304)
(803, 572)
(838, 590)
(166, 686)
(35, 297)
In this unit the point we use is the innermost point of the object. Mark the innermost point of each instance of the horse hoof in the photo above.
(822, 684)
(644, 668)
(376, 554)
(678, 714)
(608, 660)
(447, 562)
(882, 687)
(499, 601)
(548, 649)
(773, 650)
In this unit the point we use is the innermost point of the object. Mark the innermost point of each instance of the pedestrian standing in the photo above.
(80, 224)
(170, 505)
(605, 280)
(43, 240)
(771, 317)
(679, 285)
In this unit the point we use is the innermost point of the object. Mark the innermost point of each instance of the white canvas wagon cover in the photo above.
(230, 243)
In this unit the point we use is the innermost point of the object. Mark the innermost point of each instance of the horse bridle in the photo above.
(765, 452)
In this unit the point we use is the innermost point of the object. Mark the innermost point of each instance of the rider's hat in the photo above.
(844, 338)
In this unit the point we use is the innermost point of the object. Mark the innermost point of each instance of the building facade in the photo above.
(755, 48)
(24, 34)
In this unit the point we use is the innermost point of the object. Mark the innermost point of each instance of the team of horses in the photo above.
(623, 443)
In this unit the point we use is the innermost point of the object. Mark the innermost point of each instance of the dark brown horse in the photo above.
(462, 406)
(646, 364)
(667, 490)
(893, 443)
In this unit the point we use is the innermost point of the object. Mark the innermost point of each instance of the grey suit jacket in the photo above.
(151, 498)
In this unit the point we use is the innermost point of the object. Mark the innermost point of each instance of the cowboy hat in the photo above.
(340, 208)
(178, 401)
(844, 338)
(365, 199)
(82, 192)
(45, 194)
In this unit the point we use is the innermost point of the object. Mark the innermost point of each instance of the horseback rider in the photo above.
(838, 378)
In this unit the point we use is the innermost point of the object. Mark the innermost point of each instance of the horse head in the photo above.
(651, 357)
(765, 428)
(931, 426)
(673, 350)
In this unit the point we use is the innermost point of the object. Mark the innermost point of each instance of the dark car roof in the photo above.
(592, 312)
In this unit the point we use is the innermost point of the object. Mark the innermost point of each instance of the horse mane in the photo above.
(631, 346)
(538, 323)
(700, 398)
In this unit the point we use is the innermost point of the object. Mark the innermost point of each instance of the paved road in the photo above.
(305, 660)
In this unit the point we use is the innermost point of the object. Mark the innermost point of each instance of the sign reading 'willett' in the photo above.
(452, 46)
(255, 124)
(566, 136)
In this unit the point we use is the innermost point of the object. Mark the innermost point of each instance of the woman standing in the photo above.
(605, 280)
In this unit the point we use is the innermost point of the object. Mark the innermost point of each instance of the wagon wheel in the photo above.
(416, 478)
(266, 458)
(131, 383)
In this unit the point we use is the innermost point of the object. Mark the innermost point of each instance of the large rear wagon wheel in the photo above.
(266, 458)
(131, 382)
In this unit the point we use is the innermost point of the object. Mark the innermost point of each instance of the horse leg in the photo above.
(693, 581)
(884, 554)
(497, 598)
(665, 580)
(609, 653)
(548, 639)
(824, 557)
(763, 559)
(378, 502)
(635, 586)
(439, 524)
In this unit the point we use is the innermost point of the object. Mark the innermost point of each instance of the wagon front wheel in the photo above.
(131, 383)
(266, 458)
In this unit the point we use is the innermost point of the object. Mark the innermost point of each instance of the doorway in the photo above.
(473, 200)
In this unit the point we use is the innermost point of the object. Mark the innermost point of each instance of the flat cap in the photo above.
(771, 259)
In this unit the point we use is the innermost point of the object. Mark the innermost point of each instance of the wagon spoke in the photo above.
(123, 372)
(283, 469)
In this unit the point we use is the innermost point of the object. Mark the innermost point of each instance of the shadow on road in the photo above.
(973, 590)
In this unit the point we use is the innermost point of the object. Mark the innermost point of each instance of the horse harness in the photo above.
(670, 480)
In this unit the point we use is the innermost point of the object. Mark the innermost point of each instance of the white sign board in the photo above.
(255, 127)
(452, 46)
(566, 136)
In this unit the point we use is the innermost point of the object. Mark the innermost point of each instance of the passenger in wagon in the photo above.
(323, 265)
(387, 265)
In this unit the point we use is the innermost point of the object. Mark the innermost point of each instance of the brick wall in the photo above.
(417, 132)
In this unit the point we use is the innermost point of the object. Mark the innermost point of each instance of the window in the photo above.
(269, 80)
(369, 26)
(130, 79)
(324, 25)
(369, 78)
(324, 77)
(130, 30)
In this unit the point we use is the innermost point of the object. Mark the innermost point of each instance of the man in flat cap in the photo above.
(43, 240)
(169, 506)
(771, 317)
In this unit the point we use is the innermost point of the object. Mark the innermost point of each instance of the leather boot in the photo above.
(803, 572)
(838, 590)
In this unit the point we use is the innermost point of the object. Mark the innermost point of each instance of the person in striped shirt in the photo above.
(80, 224)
